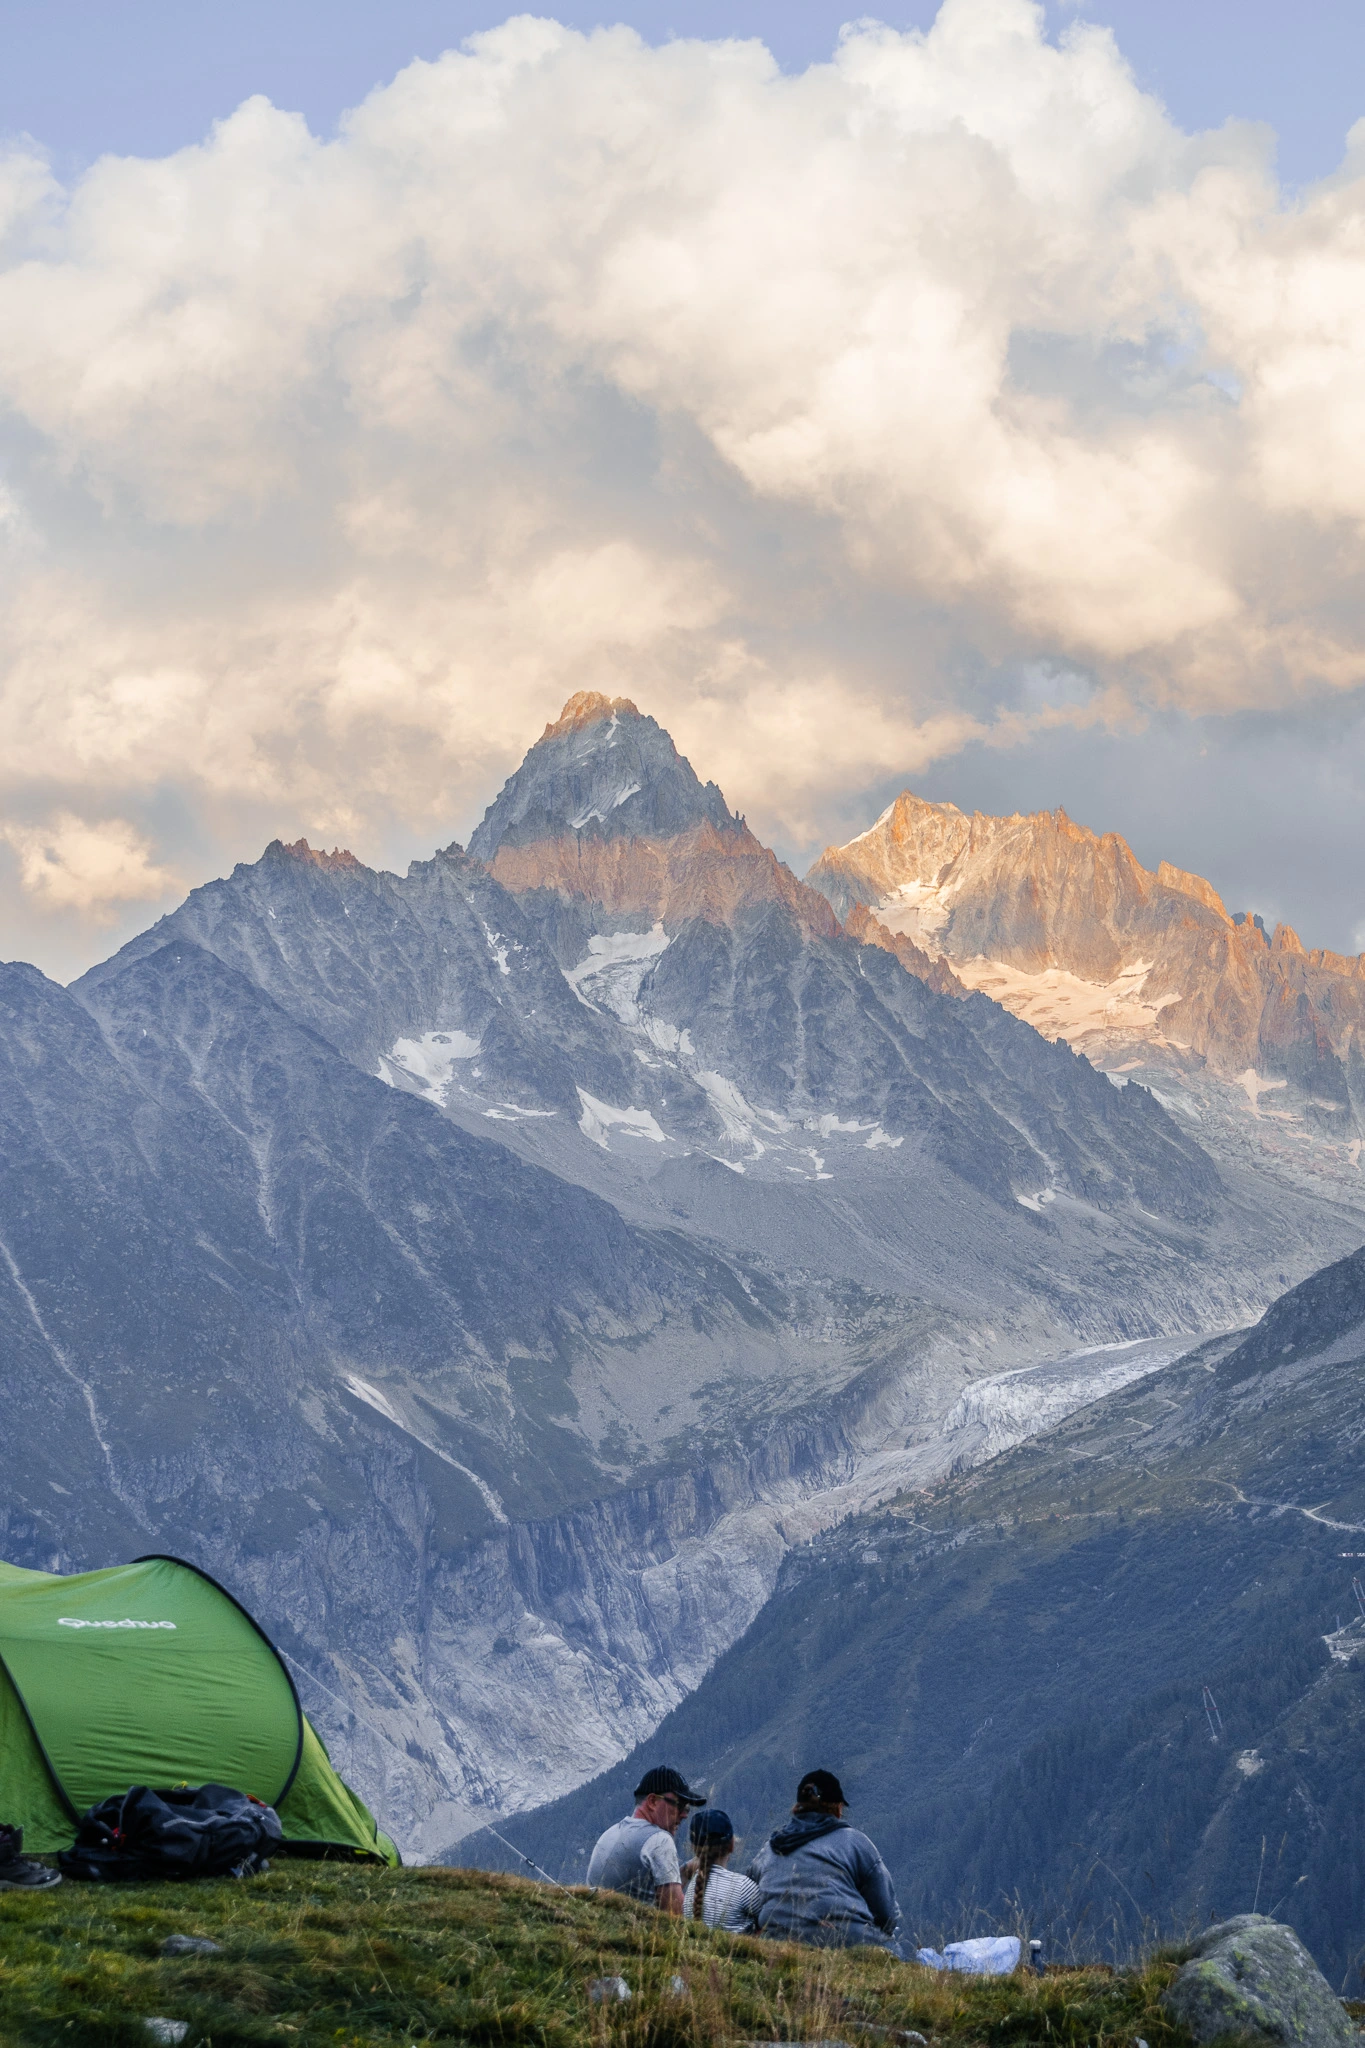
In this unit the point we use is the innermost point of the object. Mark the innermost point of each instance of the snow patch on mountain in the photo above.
(599, 811)
(1062, 1005)
(918, 910)
(740, 1119)
(373, 1398)
(668, 1038)
(427, 1061)
(609, 976)
(599, 1118)
(498, 946)
(831, 1126)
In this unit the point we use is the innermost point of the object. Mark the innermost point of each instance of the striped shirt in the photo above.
(731, 1902)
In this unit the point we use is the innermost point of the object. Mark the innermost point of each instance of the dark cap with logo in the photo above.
(671, 1783)
(820, 1788)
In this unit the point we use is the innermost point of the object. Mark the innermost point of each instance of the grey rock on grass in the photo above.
(1253, 1978)
(609, 1991)
(189, 1945)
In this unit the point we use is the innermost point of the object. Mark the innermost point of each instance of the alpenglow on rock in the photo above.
(605, 808)
(1252, 1979)
(1253, 1041)
(1067, 928)
(739, 985)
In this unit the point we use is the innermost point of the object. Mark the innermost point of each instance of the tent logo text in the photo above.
(69, 1621)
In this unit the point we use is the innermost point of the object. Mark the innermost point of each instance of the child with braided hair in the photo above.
(716, 1896)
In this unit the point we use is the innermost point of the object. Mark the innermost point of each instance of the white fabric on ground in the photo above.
(989, 1955)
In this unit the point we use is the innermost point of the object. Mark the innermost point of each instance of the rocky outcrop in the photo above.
(1251, 1979)
(1067, 929)
(934, 973)
(1323, 1311)
(603, 769)
(711, 872)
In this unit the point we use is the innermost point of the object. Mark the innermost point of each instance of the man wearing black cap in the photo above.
(819, 1880)
(638, 1855)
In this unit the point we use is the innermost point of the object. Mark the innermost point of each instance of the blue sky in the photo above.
(975, 415)
(147, 76)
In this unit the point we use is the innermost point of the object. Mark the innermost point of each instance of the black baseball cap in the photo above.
(671, 1783)
(820, 1788)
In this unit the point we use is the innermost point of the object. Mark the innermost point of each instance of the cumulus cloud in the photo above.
(88, 868)
(823, 414)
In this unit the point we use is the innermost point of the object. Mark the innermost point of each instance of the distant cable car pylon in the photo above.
(1213, 1716)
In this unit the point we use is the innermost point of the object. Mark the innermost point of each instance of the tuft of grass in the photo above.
(319, 1954)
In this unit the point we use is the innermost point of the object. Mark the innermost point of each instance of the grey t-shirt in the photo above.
(634, 1857)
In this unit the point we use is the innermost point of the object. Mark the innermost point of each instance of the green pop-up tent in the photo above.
(151, 1674)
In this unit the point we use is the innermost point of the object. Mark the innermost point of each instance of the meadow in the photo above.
(318, 1953)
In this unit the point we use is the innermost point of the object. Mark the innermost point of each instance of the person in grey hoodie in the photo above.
(819, 1880)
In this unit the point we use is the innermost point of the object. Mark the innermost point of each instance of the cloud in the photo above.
(822, 414)
(88, 868)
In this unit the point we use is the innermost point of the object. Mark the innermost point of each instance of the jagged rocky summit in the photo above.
(733, 978)
(1145, 971)
(494, 1270)
(605, 810)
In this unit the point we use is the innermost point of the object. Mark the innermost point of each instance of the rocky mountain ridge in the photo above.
(1145, 971)
(260, 1309)
(750, 1069)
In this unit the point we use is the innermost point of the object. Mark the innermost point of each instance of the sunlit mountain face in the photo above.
(1250, 1040)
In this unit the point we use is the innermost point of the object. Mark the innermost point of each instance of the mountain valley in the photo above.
(499, 1273)
(1108, 1685)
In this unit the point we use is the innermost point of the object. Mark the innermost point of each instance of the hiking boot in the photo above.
(17, 1873)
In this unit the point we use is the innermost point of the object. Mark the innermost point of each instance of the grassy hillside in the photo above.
(314, 1954)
